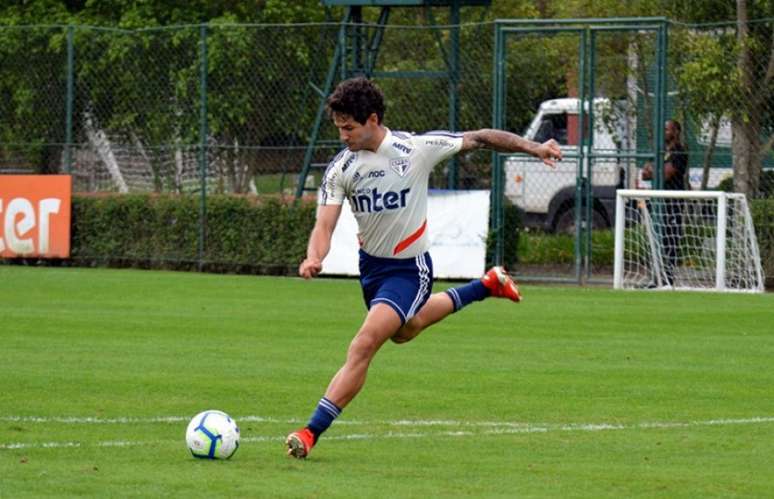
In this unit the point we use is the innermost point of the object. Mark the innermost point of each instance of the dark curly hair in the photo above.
(357, 97)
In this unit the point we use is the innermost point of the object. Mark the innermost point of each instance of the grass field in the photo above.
(573, 393)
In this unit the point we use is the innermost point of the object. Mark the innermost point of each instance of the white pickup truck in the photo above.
(547, 196)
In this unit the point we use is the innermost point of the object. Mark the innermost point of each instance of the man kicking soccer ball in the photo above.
(384, 176)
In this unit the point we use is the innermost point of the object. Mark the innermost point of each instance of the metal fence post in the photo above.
(454, 80)
(203, 132)
(69, 104)
(588, 213)
(580, 187)
(660, 111)
(496, 221)
(659, 117)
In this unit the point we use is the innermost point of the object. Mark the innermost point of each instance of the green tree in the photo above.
(138, 77)
(706, 81)
(715, 76)
(32, 83)
(755, 68)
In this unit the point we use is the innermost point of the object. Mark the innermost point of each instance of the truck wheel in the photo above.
(565, 221)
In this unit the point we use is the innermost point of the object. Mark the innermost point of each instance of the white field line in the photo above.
(398, 422)
(127, 420)
(490, 428)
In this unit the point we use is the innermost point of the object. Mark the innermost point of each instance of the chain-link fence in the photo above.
(226, 108)
(615, 64)
(33, 109)
(141, 105)
(135, 104)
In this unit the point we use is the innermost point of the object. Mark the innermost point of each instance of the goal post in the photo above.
(689, 240)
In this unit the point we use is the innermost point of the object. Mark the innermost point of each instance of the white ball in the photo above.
(212, 435)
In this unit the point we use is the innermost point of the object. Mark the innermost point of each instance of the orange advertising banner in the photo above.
(35, 216)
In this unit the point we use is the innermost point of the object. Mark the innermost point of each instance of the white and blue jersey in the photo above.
(387, 191)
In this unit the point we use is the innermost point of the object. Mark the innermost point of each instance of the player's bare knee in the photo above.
(362, 348)
(359, 352)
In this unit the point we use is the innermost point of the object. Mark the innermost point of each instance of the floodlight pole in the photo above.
(356, 53)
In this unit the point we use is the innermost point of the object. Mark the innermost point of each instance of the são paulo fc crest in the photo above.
(400, 165)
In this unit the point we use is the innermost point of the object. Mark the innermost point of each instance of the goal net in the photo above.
(691, 240)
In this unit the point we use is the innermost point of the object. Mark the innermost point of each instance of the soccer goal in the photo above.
(691, 240)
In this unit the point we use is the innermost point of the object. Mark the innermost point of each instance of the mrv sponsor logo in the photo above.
(350, 160)
(402, 147)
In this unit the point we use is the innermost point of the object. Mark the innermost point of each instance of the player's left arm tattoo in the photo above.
(502, 141)
(498, 140)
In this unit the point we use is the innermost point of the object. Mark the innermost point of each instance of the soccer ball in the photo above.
(212, 435)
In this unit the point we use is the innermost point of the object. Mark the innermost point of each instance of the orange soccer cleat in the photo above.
(500, 284)
(300, 443)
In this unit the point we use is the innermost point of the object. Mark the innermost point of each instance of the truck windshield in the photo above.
(553, 126)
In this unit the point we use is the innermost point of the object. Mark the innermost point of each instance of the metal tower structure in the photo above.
(356, 53)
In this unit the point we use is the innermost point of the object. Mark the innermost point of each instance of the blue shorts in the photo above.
(404, 284)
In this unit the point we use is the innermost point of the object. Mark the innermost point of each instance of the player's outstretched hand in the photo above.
(550, 152)
(309, 268)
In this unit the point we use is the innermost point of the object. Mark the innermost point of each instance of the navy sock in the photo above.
(467, 294)
(323, 416)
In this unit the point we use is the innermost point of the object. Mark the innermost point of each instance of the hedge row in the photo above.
(269, 236)
(242, 234)
(151, 231)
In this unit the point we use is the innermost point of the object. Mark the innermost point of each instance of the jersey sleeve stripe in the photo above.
(444, 133)
(401, 135)
(333, 162)
(323, 184)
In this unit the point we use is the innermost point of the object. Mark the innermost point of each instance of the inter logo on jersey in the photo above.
(371, 200)
(400, 165)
